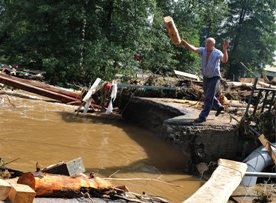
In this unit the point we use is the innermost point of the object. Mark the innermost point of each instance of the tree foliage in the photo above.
(250, 26)
(77, 41)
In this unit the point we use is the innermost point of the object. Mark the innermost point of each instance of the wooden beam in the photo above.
(59, 90)
(187, 75)
(172, 30)
(267, 145)
(14, 82)
(223, 182)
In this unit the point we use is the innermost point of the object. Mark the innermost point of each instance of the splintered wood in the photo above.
(172, 30)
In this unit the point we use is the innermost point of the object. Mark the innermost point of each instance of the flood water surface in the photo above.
(46, 132)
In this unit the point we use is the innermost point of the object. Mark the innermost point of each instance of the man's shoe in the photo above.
(221, 108)
(199, 120)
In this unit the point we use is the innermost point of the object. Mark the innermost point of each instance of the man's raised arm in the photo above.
(225, 46)
(189, 46)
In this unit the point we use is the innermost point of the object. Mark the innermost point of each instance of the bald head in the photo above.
(210, 43)
(210, 39)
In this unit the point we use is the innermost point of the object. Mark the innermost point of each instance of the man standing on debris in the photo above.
(210, 68)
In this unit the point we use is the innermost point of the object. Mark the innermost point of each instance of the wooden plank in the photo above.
(88, 97)
(11, 81)
(267, 145)
(187, 75)
(263, 84)
(20, 193)
(92, 90)
(4, 189)
(172, 30)
(59, 90)
(223, 182)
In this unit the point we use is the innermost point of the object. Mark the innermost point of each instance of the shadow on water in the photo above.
(162, 157)
(73, 117)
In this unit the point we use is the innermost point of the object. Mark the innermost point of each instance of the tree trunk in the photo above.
(52, 185)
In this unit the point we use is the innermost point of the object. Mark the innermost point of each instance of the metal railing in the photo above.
(265, 100)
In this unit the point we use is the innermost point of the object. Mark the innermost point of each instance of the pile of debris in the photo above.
(25, 73)
(63, 180)
(237, 97)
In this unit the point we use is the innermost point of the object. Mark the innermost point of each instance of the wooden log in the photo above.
(240, 84)
(249, 80)
(237, 103)
(172, 30)
(224, 180)
(266, 85)
(21, 194)
(52, 185)
(4, 189)
(248, 85)
(11, 81)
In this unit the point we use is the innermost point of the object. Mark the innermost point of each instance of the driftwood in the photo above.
(30, 74)
(224, 180)
(73, 94)
(59, 90)
(25, 73)
(236, 103)
(248, 85)
(52, 185)
(240, 84)
(14, 82)
(266, 85)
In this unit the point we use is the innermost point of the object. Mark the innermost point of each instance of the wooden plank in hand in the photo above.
(172, 30)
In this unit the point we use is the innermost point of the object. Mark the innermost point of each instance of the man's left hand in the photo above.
(225, 44)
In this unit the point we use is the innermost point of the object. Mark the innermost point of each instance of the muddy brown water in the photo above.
(36, 130)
